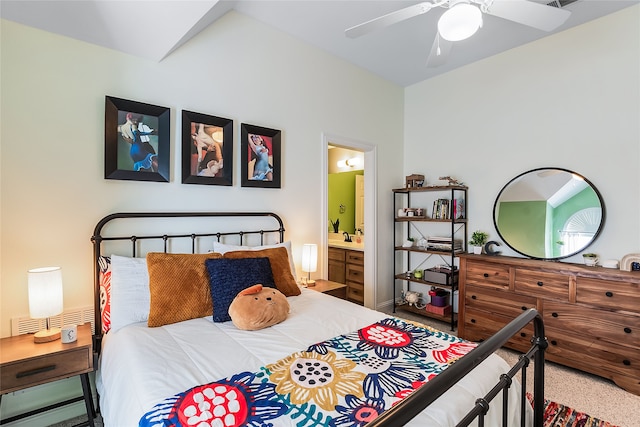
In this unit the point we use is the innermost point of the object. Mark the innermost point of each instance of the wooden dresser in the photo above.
(347, 266)
(591, 314)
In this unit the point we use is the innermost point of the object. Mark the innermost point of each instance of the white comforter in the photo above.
(141, 366)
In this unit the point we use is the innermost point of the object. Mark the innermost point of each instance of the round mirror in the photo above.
(549, 213)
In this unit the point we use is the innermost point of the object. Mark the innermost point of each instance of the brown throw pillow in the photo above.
(280, 267)
(179, 287)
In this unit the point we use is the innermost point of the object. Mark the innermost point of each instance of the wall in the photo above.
(342, 191)
(571, 100)
(52, 107)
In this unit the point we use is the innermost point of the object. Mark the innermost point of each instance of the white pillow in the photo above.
(222, 248)
(130, 297)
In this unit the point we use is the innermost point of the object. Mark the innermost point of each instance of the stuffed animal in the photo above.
(258, 307)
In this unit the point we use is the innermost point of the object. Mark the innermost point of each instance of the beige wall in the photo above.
(571, 100)
(52, 107)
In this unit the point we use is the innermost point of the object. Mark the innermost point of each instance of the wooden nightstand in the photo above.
(24, 364)
(328, 287)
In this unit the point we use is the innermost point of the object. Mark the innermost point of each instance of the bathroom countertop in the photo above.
(346, 245)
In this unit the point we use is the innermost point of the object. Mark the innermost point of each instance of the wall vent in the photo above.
(74, 316)
(560, 3)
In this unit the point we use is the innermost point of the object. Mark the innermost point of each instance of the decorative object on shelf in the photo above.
(478, 239)
(45, 300)
(414, 180)
(335, 225)
(590, 259)
(136, 141)
(412, 298)
(310, 261)
(417, 274)
(488, 248)
(207, 149)
(450, 180)
(408, 243)
(260, 156)
(630, 261)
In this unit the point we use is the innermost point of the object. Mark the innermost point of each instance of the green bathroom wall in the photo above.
(342, 191)
(511, 217)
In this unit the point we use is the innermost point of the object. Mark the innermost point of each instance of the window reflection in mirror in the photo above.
(548, 213)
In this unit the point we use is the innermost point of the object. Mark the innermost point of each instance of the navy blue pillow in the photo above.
(228, 276)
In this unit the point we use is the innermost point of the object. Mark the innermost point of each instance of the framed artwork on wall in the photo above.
(260, 156)
(207, 149)
(136, 141)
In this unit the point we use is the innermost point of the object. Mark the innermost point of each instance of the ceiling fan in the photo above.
(464, 17)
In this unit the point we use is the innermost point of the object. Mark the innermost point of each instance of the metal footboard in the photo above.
(417, 401)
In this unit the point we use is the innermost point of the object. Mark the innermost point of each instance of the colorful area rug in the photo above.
(557, 415)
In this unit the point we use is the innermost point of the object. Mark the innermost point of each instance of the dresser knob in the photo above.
(523, 308)
(627, 330)
(626, 362)
(473, 320)
(540, 283)
(474, 297)
(522, 334)
(486, 274)
(554, 342)
(609, 294)
(554, 314)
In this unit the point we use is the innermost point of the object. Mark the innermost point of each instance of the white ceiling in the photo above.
(153, 29)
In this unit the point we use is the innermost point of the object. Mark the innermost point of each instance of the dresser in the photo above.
(347, 266)
(591, 314)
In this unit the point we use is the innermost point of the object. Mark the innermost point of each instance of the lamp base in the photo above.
(46, 335)
(311, 282)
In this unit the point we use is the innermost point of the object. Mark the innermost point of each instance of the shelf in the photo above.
(425, 313)
(428, 251)
(428, 219)
(430, 188)
(424, 282)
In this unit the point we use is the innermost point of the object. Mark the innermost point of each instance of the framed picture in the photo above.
(136, 141)
(260, 156)
(207, 149)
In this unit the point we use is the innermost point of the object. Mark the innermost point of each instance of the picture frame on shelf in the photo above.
(260, 156)
(207, 149)
(136, 141)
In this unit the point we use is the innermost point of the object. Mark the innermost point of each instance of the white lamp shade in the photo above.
(459, 22)
(45, 292)
(309, 257)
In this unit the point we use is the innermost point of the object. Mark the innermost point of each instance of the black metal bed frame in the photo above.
(418, 400)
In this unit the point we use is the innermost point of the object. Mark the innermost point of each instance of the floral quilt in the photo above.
(345, 381)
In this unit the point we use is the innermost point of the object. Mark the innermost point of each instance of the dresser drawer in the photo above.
(542, 284)
(608, 294)
(355, 273)
(336, 254)
(39, 370)
(487, 274)
(355, 292)
(480, 325)
(495, 301)
(589, 354)
(355, 257)
(593, 324)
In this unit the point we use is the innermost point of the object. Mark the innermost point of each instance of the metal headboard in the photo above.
(100, 236)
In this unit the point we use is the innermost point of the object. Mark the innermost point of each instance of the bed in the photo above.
(159, 366)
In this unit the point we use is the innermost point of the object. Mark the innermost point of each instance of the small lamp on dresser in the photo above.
(310, 261)
(45, 300)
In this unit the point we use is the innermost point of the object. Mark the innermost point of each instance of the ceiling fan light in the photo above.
(459, 22)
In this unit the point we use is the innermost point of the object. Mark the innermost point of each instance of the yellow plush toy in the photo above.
(258, 307)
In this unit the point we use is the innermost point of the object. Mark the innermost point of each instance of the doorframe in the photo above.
(370, 211)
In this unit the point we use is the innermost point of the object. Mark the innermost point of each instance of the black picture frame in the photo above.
(271, 139)
(136, 153)
(200, 163)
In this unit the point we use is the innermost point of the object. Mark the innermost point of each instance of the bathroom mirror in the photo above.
(549, 213)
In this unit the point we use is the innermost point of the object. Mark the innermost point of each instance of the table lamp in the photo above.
(310, 261)
(45, 300)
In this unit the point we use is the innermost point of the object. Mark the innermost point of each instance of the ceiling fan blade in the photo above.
(439, 52)
(388, 19)
(536, 15)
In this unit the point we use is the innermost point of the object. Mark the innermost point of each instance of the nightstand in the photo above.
(24, 364)
(328, 287)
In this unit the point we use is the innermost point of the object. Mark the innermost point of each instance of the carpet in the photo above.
(558, 415)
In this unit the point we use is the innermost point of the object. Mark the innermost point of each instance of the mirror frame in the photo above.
(522, 251)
